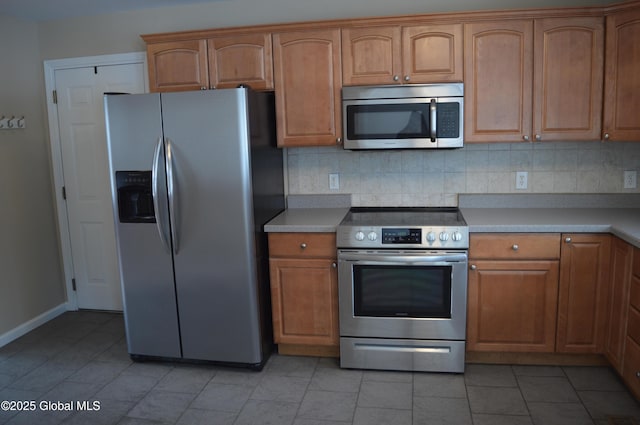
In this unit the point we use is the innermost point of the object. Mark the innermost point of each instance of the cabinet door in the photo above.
(583, 296)
(242, 59)
(371, 56)
(631, 372)
(307, 74)
(621, 257)
(498, 70)
(304, 297)
(432, 53)
(177, 66)
(569, 63)
(622, 76)
(512, 306)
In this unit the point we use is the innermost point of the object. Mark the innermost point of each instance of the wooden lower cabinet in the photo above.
(631, 358)
(583, 296)
(512, 306)
(304, 293)
(631, 371)
(621, 258)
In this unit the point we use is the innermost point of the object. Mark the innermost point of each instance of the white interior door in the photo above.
(85, 167)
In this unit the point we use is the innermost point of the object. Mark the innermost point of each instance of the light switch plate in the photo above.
(334, 181)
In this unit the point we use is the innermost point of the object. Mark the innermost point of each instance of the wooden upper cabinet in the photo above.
(219, 62)
(241, 59)
(432, 53)
(622, 76)
(401, 55)
(371, 55)
(568, 73)
(177, 66)
(534, 80)
(307, 77)
(498, 70)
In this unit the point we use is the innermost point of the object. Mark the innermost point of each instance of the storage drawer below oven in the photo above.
(402, 354)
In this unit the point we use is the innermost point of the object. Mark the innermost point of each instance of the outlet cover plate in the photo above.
(522, 180)
(630, 179)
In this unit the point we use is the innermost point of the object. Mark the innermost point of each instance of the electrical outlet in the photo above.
(334, 181)
(630, 179)
(521, 179)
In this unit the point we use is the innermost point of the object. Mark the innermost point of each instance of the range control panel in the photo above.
(438, 237)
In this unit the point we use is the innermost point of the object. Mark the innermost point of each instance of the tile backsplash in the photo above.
(436, 177)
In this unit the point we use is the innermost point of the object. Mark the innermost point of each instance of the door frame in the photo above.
(55, 148)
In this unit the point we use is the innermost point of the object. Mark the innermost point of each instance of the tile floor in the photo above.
(82, 357)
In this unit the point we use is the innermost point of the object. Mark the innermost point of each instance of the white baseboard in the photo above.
(26, 327)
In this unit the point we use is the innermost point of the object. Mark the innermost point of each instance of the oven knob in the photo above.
(372, 236)
(431, 237)
(444, 236)
(359, 236)
(456, 236)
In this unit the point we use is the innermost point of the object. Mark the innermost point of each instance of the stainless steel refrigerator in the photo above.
(194, 177)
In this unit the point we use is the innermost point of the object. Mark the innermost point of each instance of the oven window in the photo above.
(397, 291)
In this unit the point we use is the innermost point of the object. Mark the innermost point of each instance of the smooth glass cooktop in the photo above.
(389, 216)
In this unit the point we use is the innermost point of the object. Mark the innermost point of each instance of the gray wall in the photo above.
(119, 33)
(30, 276)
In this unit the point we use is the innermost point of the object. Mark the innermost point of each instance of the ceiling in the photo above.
(42, 10)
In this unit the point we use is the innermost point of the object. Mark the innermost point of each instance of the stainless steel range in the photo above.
(402, 278)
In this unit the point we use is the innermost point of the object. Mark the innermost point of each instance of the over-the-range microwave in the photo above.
(416, 116)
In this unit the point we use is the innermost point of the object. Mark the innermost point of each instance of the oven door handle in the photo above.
(374, 259)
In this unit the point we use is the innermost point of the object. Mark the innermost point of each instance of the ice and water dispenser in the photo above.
(135, 197)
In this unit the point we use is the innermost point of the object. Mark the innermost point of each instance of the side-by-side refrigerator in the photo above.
(194, 177)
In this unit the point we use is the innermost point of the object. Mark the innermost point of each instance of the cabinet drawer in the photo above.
(633, 325)
(511, 246)
(634, 297)
(631, 368)
(303, 245)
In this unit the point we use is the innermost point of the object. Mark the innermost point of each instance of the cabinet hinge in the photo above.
(55, 97)
(64, 193)
(73, 283)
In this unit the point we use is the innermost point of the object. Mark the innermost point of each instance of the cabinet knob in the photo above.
(339, 141)
(525, 138)
(567, 240)
(606, 136)
(396, 78)
(638, 374)
(538, 137)
(334, 265)
(407, 78)
(203, 88)
(473, 267)
(303, 245)
(515, 247)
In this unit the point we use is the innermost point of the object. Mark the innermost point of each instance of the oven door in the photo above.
(407, 294)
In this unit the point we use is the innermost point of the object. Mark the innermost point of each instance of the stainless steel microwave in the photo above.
(417, 116)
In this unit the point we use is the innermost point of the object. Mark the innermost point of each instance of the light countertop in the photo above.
(622, 222)
(313, 220)
(566, 214)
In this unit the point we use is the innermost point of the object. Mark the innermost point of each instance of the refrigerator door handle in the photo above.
(154, 192)
(171, 191)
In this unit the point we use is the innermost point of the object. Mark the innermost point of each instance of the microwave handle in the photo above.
(432, 120)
